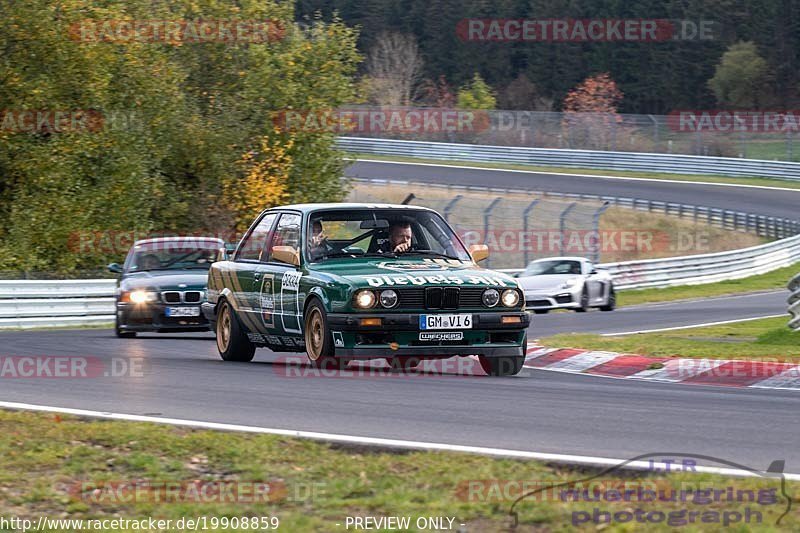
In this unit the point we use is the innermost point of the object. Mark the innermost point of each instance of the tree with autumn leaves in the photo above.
(192, 149)
(590, 113)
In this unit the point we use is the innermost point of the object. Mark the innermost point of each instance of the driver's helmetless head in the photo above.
(400, 233)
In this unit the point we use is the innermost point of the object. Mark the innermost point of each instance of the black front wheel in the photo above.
(584, 302)
(611, 304)
(121, 333)
(502, 366)
(232, 342)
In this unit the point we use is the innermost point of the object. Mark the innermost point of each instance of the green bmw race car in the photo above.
(357, 281)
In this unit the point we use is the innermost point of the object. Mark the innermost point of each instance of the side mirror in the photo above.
(115, 268)
(479, 252)
(286, 254)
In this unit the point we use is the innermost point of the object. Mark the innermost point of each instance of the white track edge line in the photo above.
(621, 178)
(374, 441)
(691, 326)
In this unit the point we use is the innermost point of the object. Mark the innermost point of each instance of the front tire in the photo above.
(584, 303)
(121, 333)
(319, 341)
(502, 366)
(612, 300)
(232, 343)
(541, 311)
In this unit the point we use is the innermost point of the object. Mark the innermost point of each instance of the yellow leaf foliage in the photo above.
(263, 180)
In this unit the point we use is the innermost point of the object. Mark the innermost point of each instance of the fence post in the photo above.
(449, 207)
(525, 227)
(596, 228)
(562, 225)
(487, 213)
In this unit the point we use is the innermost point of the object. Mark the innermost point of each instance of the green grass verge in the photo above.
(755, 180)
(767, 339)
(777, 279)
(50, 465)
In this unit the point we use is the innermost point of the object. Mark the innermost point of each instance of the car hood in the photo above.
(381, 273)
(547, 281)
(163, 280)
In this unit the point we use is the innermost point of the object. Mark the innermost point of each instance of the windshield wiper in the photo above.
(337, 254)
(381, 254)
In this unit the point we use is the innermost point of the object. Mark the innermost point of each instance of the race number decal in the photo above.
(290, 301)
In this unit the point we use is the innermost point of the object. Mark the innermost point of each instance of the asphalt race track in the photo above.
(183, 377)
(662, 315)
(764, 201)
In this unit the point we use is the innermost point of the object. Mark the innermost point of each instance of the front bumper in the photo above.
(399, 334)
(152, 317)
(552, 300)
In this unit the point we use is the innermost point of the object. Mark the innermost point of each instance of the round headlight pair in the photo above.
(366, 299)
(509, 297)
(141, 297)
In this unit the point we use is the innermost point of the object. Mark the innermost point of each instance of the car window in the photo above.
(253, 245)
(287, 233)
(173, 255)
(545, 268)
(358, 232)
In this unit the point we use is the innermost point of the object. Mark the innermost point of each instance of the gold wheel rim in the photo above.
(224, 329)
(314, 335)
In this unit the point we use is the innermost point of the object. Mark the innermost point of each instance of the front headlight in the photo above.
(510, 298)
(490, 297)
(143, 297)
(365, 299)
(388, 298)
(571, 282)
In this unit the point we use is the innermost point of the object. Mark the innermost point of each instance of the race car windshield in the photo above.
(375, 233)
(545, 268)
(171, 256)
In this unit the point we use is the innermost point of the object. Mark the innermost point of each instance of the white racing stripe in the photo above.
(691, 326)
(545, 173)
(374, 441)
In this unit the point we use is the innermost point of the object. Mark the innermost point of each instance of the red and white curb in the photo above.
(720, 372)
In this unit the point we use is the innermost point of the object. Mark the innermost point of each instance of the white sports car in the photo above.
(566, 283)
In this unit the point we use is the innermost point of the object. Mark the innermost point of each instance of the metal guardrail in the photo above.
(794, 303)
(630, 161)
(705, 268)
(51, 303)
(761, 225)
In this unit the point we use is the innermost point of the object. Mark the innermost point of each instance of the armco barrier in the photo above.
(705, 268)
(794, 303)
(51, 303)
(669, 163)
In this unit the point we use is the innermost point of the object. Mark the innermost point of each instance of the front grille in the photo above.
(192, 297)
(176, 297)
(564, 299)
(441, 298)
(171, 297)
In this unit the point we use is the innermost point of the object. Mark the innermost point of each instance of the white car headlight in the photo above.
(365, 299)
(571, 282)
(142, 297)
(510, 298)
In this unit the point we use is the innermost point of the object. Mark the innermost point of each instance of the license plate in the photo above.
(182, 311)
(445, 321)
(441, 336)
